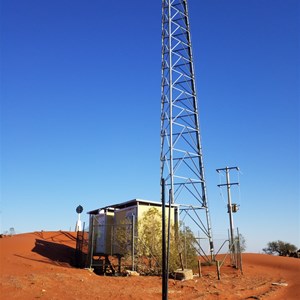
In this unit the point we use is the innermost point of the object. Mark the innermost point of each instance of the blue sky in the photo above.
(80, 110)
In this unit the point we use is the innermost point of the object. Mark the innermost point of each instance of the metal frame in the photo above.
(181, 153)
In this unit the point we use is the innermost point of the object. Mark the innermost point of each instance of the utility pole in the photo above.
(231, 208)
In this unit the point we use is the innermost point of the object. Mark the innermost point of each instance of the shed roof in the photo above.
(129, 203)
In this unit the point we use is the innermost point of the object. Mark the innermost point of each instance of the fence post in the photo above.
(239, 252)
(181, 261)
(199, 268)
(92, 242)
(218, 269)
(111, 239)
(132, 246)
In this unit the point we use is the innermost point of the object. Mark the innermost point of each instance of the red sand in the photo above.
(37, 265)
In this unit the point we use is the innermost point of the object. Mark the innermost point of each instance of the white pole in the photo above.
(78, 226)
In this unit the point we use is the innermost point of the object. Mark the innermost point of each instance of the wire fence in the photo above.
(81, 252)
(119, 247)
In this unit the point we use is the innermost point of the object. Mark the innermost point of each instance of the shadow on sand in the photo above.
(57, 253)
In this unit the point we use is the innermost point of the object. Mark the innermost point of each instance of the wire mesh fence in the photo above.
(139, 249)
(120, 247)
(81, 251)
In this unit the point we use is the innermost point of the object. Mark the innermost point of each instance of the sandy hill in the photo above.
(39, 265)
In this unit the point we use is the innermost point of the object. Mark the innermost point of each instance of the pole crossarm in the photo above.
(226, 184)
(227, 168)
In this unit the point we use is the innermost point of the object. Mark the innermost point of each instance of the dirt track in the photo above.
(37, 265)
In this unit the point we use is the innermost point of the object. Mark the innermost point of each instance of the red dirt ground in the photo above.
(38, 265)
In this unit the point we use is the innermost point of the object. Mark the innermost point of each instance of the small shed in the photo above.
(106, 223)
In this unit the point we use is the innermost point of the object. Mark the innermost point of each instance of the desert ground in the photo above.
(39, 265)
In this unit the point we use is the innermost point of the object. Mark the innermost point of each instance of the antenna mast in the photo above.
(181, 153)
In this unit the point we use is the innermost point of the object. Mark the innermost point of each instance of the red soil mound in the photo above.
(39, 265)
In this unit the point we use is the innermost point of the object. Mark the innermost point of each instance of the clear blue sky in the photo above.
(80, 110)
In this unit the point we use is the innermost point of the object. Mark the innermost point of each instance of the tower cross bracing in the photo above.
(181, 153)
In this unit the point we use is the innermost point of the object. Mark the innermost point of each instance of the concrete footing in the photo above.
(185, 274)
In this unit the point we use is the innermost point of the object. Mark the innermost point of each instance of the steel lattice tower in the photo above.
(181, 153)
